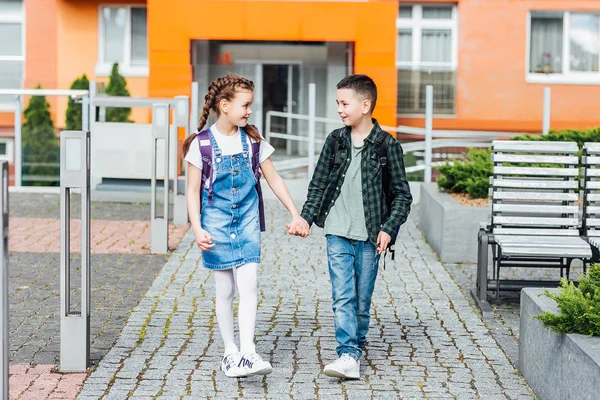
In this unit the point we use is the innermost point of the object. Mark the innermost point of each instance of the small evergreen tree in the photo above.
(41, 151)
(73, 117)
(117, 86)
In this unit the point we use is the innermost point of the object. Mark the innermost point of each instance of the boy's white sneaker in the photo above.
(344, 367)
(229, 365)
(252, 364)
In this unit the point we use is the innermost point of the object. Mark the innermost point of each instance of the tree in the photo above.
(41, 150)
(73, 117)
(117, 86)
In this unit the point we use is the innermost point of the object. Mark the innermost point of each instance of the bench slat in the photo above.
(536, 196)
(534, 221)
(534, 209)
(592, 197)
(534, 146)
(592, 185)
(524, 240)
(533, 231)
(535, 184)
(534, 159)
(590, 160)
(592, 147)
(592, 222)
(592, 210)
(499, 170)
(547, 252)
(592, 172)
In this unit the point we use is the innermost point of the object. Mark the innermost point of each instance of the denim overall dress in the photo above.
(231, 216)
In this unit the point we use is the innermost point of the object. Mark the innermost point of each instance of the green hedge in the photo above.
(471, 175)
(579, 306)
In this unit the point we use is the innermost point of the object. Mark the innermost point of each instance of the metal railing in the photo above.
(426, 139)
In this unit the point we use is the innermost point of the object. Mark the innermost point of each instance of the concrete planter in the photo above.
(556, 366)
(450, 228)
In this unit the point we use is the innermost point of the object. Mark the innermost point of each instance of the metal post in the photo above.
(74, 325)
(18, 142)
(546, 117)
(181, 122)
(5, 277)
(428, 131)
(159, 226)
(312, 111)
(85, 113)
(92, 114)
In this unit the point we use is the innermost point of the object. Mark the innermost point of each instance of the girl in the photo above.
(225, 216)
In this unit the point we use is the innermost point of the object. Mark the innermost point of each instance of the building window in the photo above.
(427, 54)
(564, 47)
(12, 56)
(123, 38)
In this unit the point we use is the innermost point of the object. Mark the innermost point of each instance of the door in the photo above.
(280, 87)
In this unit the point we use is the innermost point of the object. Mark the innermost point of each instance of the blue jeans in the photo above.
(353, 266)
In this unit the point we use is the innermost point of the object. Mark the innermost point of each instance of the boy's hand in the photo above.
(383, 241)
(204, 240)
(298, 226)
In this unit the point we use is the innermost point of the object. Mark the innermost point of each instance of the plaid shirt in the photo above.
(327, 180)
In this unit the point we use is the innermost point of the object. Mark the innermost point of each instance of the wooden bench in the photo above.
(590, 228)
(534, 215)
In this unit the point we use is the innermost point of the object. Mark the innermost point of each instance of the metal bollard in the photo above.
(74, 325)
(159, 226)
(4, 276)
(181, 122)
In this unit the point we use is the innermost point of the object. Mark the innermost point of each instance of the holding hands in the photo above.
(298, 227)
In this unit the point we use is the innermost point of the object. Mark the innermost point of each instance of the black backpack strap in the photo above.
(381, 145)
(334, 158)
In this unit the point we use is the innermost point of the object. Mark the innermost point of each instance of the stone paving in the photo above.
(122, 272)
(426, 339)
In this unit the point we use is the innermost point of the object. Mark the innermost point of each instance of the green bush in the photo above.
(73, 120)
(41, 151)
(579, 306)
(117, 86)
(470, 175)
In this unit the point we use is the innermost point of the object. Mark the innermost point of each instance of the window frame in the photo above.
(103, 68)
(566, 77)
(416, 24)
(15, 19)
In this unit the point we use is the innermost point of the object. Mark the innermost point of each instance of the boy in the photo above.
(346, 198)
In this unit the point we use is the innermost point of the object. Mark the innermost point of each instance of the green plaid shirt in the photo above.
(327, 180)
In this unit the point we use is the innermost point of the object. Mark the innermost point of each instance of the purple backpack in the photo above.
(207, 172)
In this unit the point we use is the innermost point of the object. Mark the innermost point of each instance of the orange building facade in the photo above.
(487, 60)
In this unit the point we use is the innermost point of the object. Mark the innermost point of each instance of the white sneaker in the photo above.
(251, 364)
(344, 367)
(229, 364)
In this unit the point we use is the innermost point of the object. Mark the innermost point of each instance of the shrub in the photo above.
(470, 175)
(41, 151)
(579, 306)
(73, 120)
(117, 86)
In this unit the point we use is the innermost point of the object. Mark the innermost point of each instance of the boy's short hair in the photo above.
(361, 84)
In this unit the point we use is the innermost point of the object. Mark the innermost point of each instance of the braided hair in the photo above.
(223, 88)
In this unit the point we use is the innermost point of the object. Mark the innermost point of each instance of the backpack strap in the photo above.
(257, 175)
(206, 153)
(381, 145)
(334, 158)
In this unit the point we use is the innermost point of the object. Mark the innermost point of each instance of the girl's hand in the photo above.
(204, 240)
(298, 226)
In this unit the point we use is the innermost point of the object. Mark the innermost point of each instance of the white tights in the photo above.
(225, 289)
